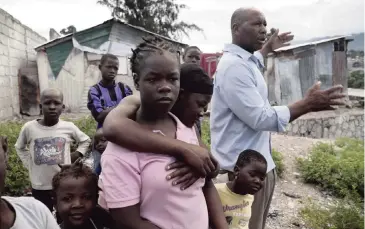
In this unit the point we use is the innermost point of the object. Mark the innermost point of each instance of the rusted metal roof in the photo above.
(313, 43)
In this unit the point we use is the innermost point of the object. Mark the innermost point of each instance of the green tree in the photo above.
(356, 79)
(158, 16)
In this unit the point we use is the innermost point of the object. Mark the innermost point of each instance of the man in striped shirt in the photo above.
(106, 94)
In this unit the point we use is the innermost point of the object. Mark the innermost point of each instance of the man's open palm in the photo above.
(280, 40)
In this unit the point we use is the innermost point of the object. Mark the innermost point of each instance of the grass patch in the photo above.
(337, 167)
(17, 179)
(205, 132)
(343, 215)
(279, 162)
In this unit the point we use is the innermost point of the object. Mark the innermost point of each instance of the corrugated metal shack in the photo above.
(70, 63)
(292, 70)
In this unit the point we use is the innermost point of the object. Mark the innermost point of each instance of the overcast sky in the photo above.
(305, 18)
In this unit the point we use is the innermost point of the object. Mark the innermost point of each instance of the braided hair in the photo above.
(149, 46)
(75, 170)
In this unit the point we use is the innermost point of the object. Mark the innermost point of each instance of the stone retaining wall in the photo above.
(344, 123)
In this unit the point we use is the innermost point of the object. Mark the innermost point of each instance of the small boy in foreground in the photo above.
(237, 195)
(44, 143)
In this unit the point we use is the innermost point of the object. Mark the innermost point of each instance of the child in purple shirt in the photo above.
(106, 94)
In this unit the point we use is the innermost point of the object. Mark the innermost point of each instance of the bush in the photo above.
(356, 79)
(343, 215)
(337, 167)
(205, 132)
(278, 159)
(17, 179)
(17, 176)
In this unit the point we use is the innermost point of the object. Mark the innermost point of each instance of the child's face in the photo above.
(250, 178)
(52, 105)
(192, 56)
(109, 69)
(75, 200)
(159, 82)
(193, 105)
(101, 144)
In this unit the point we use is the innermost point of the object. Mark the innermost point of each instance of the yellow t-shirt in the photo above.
(236, 208)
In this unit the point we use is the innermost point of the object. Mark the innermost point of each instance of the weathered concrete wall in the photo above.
(17, 43)
(329, 124)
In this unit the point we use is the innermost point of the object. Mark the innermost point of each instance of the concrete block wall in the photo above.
(336, 125)
(17, 43)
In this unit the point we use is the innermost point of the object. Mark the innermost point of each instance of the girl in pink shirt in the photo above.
(133, 184)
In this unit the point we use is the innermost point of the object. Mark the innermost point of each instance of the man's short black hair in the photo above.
(248, 156)
(107, 56)
(194, 79)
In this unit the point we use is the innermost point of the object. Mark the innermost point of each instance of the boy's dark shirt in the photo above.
(101, 218)
(101, 97)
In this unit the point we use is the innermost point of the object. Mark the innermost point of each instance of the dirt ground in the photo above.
(291, 193)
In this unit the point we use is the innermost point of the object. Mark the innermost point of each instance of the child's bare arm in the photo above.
(21, 147)
(83, 142)
(120, 129)
(130, 217)
(214, 204)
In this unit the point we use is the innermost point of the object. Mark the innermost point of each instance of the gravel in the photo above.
(290, 192)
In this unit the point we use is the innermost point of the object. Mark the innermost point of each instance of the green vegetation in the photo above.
(343, 215)
(338, 168)
(278, 159)
(205, 132)
(17, 176)
(356, 79)
(160, 17)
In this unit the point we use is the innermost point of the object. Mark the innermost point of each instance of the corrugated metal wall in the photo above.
(288, 71)
(324, 64)
(71, 80)
(299, 69)
(307, 72)
(339, 69)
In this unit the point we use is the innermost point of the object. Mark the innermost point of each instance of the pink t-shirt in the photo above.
(129, 178)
